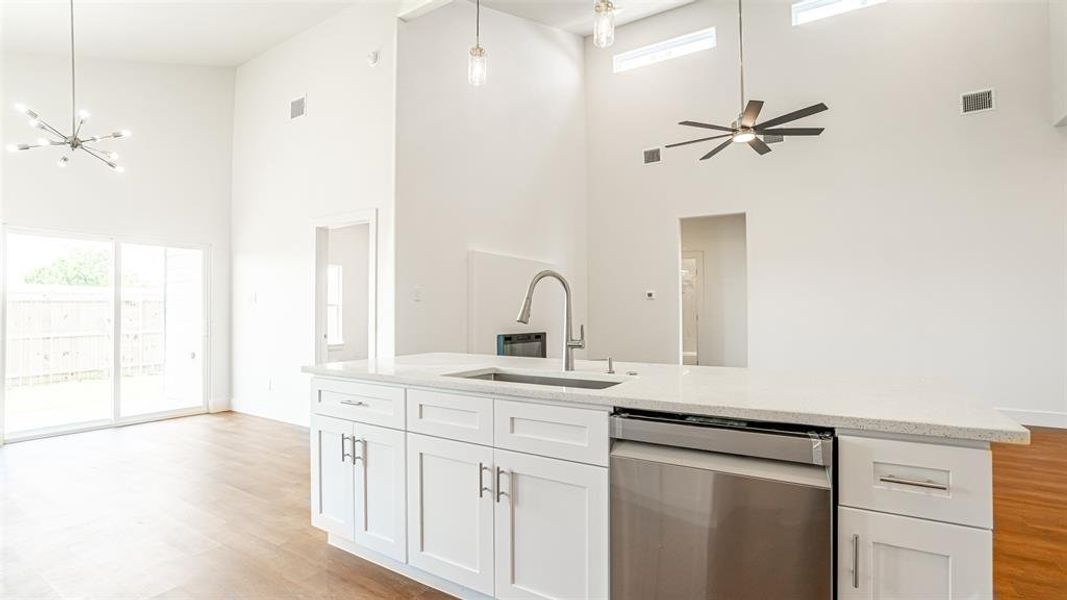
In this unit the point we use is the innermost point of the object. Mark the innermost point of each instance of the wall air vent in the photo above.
(298, 107)
(652, 156)
(979, 101)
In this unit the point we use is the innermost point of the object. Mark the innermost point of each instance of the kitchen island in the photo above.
(444, 468)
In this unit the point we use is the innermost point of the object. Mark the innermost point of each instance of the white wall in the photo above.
(1058, 59)
(348, 248)
(287, 174)
(498, 169)
(907, 240)
(177, 184)
(722, 332)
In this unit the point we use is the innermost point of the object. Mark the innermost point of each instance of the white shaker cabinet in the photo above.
(332, 481)
(891, 556)
(551, 528)
(450, 510)
(378, 468)
(357, 490)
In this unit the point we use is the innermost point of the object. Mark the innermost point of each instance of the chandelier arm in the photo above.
(99, 157)
(45, 126)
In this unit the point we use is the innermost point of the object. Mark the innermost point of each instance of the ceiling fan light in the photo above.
(743, 137)
(603, 24)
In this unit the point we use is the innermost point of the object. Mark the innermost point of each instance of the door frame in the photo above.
(698, 256)
(322, 227)
(116, 242)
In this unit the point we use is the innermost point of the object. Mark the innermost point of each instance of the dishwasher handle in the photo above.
(808, 449)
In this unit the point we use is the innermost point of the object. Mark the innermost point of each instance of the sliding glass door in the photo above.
(162, 329)
(59, 354)
(67, 323)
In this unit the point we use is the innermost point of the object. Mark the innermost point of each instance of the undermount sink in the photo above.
(554, 380)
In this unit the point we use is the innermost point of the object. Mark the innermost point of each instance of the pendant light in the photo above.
(476, 65)
(603, 24)
(73, 142)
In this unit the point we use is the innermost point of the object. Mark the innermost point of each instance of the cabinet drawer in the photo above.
(943, 483)
(453, 416)
(576, 434)
(367, 403)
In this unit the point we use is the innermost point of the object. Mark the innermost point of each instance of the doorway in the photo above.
(345, 288)
(713, 283)
(100, 332)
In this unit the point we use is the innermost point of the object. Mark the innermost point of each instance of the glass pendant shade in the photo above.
(604, 24)
(476, 66)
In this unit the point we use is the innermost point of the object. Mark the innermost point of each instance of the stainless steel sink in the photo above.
(530, 378)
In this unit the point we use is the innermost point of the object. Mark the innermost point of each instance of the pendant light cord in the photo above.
(740, 51)
(477, 23)
(73, 89)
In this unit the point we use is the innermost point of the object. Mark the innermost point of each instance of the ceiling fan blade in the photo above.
(748, 118)
(714, 137)
(706, 126)
(717, 149)
(759, 146)
(793, 116)
(792, 131)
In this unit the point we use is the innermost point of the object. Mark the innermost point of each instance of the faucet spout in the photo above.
(569, 342)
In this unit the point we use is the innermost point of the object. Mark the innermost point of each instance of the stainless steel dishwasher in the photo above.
(716, 509)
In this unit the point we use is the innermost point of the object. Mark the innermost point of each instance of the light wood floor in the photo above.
(1030, 517)
(217, 506)
(213, 506)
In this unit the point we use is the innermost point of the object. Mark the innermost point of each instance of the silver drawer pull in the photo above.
(855, 561)
(344, 450)
(930, 485)
(354, 403)
(481, 486)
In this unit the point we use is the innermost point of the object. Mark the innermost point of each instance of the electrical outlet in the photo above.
(650, 294)
(416, 294)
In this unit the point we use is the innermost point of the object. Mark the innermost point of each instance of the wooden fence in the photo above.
(65, 333)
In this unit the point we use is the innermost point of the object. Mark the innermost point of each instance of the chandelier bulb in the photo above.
(63, 162)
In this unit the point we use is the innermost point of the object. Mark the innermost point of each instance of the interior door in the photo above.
(890, 556)
(450, 510)
(333, 489)
(379, 490)
(692, 299)
(551, 528)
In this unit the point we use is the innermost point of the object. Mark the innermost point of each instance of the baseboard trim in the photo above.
(406, 570)
(1037, 418)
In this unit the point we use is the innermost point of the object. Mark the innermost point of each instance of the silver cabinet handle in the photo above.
(344, 452)
(481, 486)
(930, 485)
(856, 561)
(354, 403)
(500, 492)
(363, 453)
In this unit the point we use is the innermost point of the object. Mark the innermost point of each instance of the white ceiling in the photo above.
(197, 32)
(576, 16)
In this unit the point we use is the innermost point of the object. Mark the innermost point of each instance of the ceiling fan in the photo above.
(747, 129)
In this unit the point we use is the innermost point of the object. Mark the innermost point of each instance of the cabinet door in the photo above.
(551, 528)
(332, 484)
(450, 510)
(890, 556)
(379, 490)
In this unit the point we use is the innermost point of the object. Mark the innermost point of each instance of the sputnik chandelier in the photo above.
(74, 141)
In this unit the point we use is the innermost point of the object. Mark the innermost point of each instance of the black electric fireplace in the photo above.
(521, 344)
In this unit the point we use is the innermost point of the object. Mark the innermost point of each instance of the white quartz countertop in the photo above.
(916, 408)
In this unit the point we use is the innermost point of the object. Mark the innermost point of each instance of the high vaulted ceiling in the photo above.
(576, 16)
(198, 32)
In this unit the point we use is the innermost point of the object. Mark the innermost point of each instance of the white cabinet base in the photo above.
(890, 556)
(427, 579)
